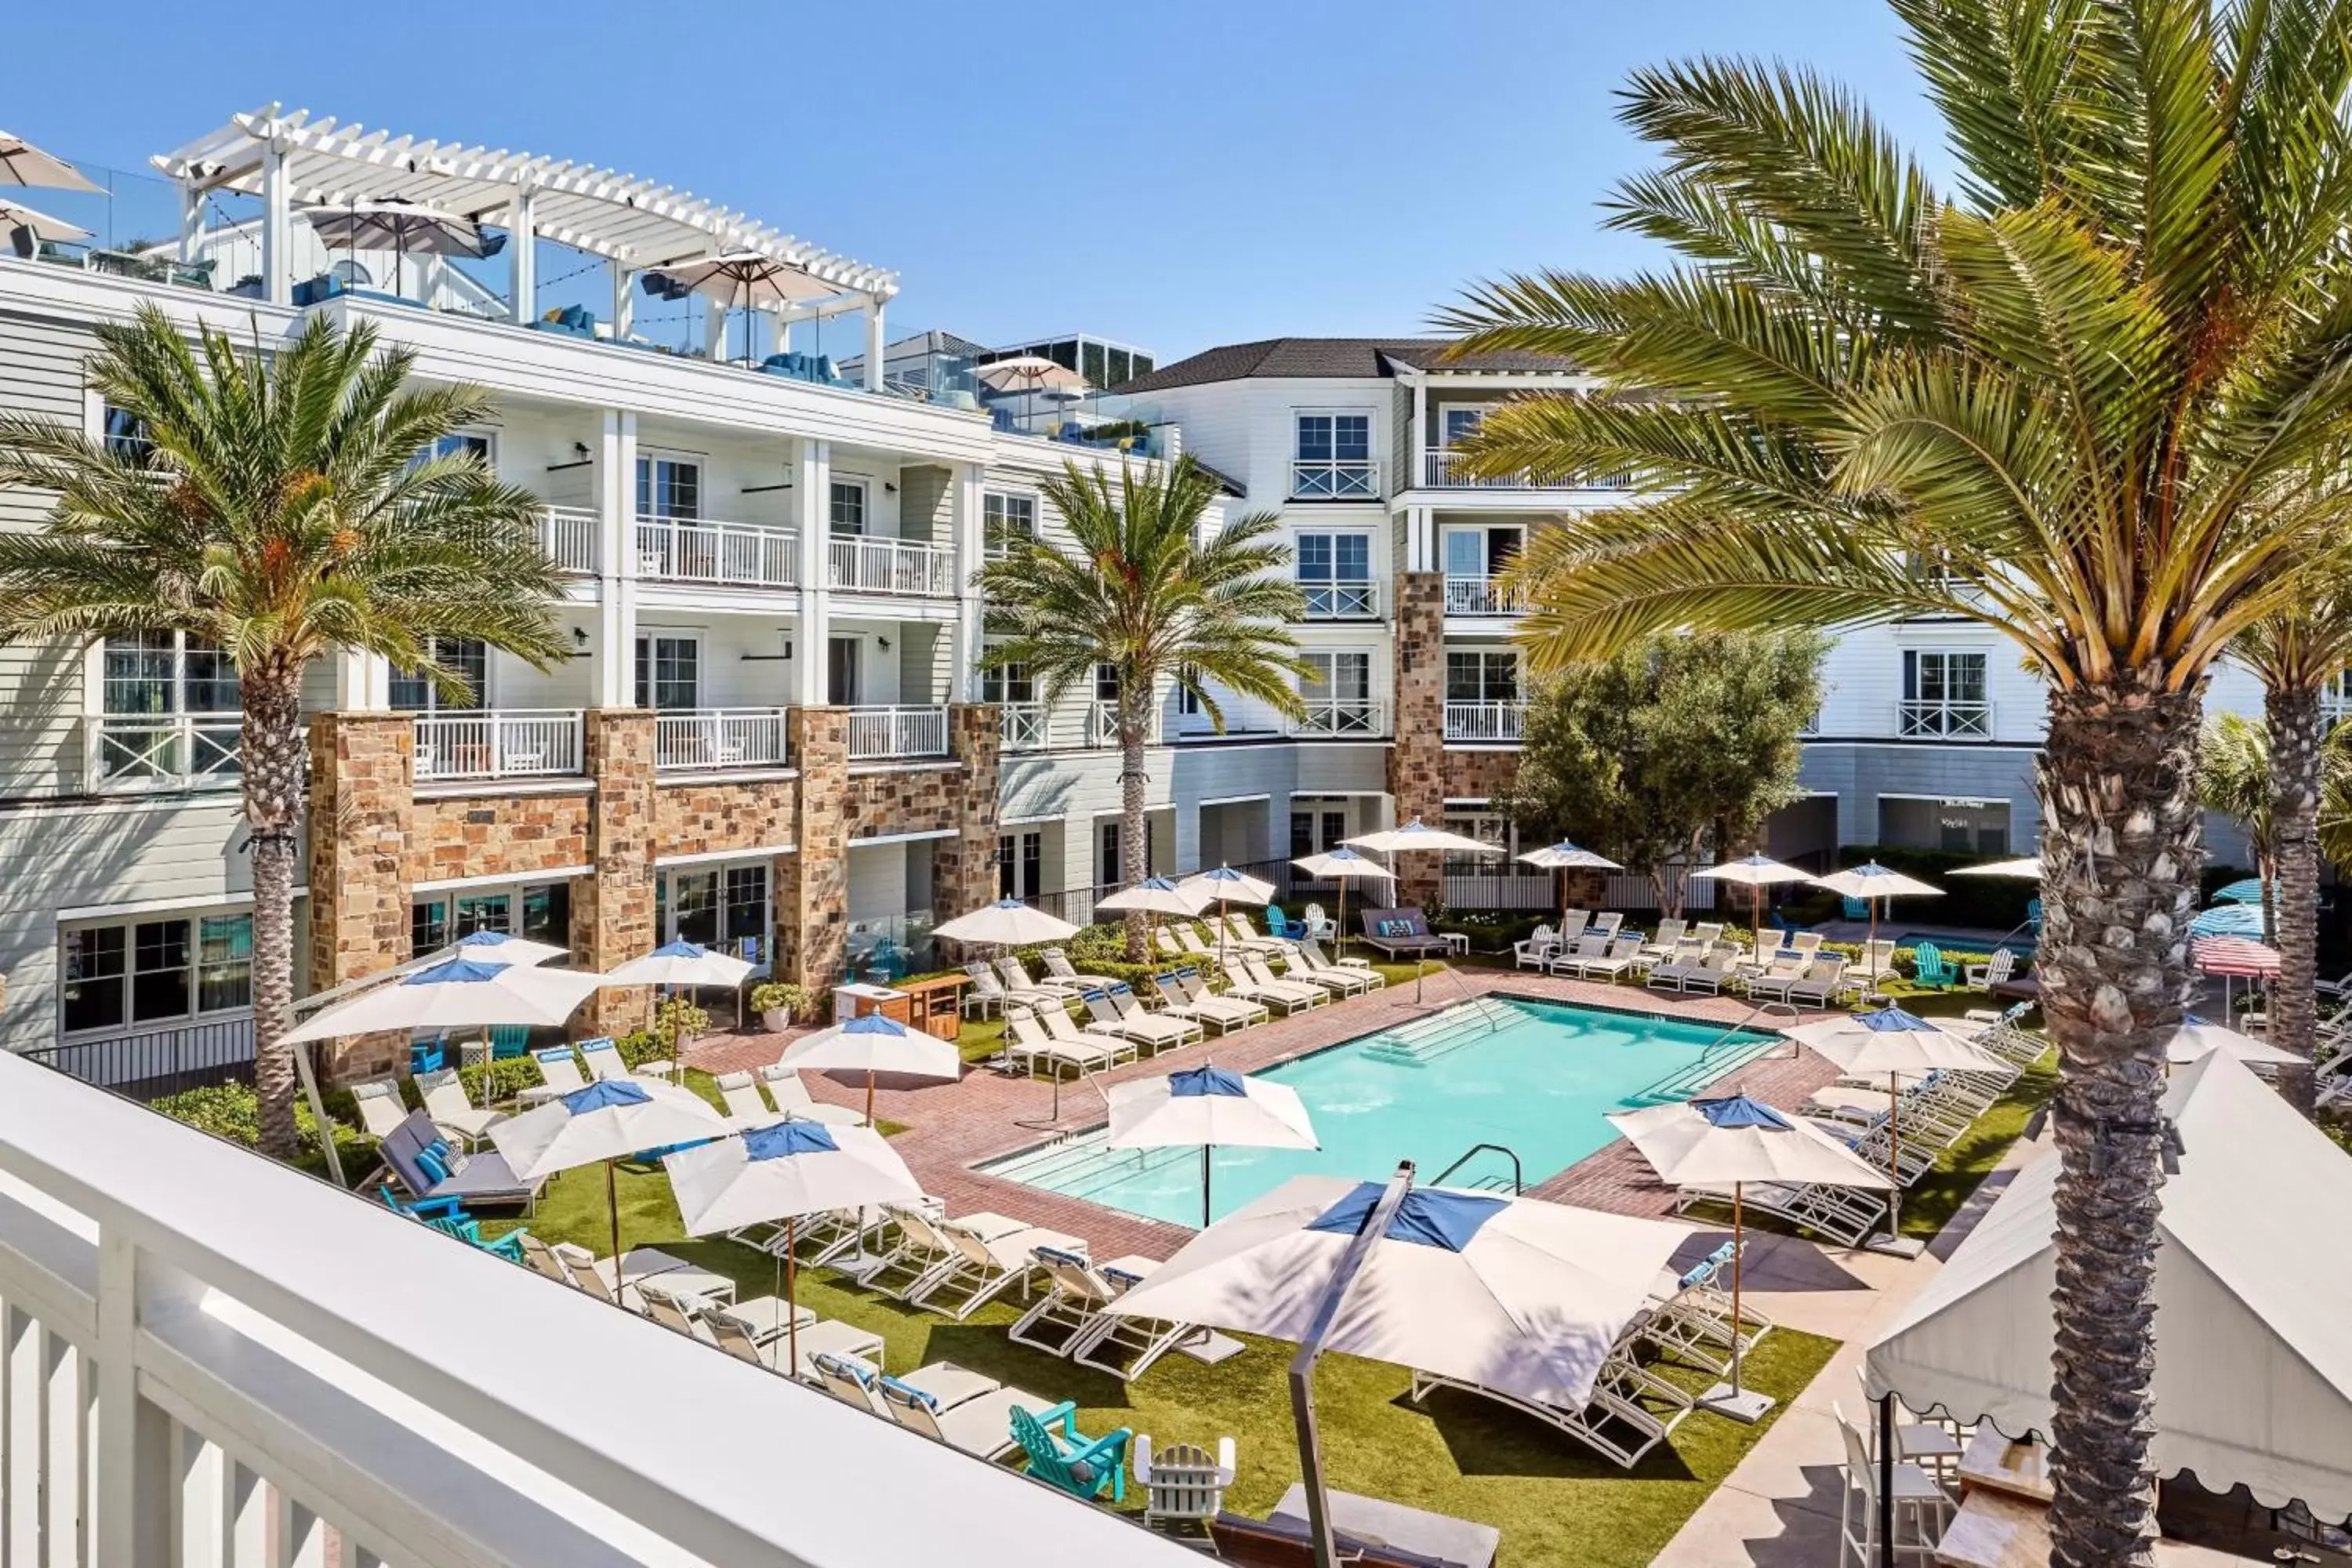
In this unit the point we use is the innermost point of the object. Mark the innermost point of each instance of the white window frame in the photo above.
(649, 458)
(642, 664)
(194, 917)
(1946, 716)
(1327, 712)
(1446, 434)
(1336, 597)
(484, 701)
(996, 521)
(1333, 477)
(863, 489)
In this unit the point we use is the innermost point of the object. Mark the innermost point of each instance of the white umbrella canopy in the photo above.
(401, 225)
(1514, 1294)
(873, 1044)
(1225, 885)
(2197, 1038)
(610, 1120)
(22, 163)
(14, 214)
(1344, 866)
(1756, 872)
(679, 963)
(2026, 868)
(1416, 834)
(1029, 372)
(458, 994)
(497, 947)
(745, 279)
(783, 1171)
(1209, 1106)
(1893, 1040)
(1008, 922)
(1873, 881)
(1567, 857)
(1153, 896)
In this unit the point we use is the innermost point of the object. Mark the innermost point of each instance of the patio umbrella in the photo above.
(1871, 882)
(1154, 896)
(401, 226)
(2026, 868)
(1758, 872)
(2227, 919)
(17, 215)
(1226, 886)
(1209, 1106)
(1733, 1139)
(1418, 835)
(2231, 957)
(22, 163)
(1900, 1044)
(1513, 1294)
(610, 1120)
(873, 1044)
(679, 963)
(496, 947)
(2244, 891)
(748, 278)
(1033, 375)
(1344, 866)
(782, 1172)
(2196, 1038)
(458, 994)
(1567, 857)
(1008, 922)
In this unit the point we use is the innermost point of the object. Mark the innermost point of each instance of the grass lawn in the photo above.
(1554, 1500)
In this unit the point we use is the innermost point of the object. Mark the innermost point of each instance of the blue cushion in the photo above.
(434, 1163)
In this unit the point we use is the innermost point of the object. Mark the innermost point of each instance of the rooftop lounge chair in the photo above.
(446, 1103)
(1128, 1013)
(1227, 1013)
(1068, 1460)
(1057, 965)
(791, 1098)
(1632, 1411)
(1182, 1481)
(603, 1058)
(558, 1072)
(382, 1111)
(1534, 950)
(986, 1264)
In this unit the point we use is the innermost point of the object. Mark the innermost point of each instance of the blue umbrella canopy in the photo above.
(2244, 891)
(2227, 919)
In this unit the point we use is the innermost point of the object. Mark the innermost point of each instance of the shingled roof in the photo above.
(1331, 359)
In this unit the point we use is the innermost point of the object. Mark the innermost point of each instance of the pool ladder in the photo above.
(1517, 1182)
(1686, 1081)
(1424, 1040)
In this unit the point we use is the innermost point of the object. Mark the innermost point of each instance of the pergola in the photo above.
(290, 158)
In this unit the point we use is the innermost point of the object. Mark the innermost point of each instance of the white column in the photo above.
(277, 228)
(874, 344)
(613, 682)
(1419, 436)
(812, 487)
(625, 300)
(714, 328)
(970, 534)
(192, 220)
(135, 1476)
(362, 682)
(522, 257)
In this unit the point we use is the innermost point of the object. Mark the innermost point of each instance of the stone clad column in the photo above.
(964, 869)
(361, 791)
(812, 882)
(1417, 756)
(612, 910)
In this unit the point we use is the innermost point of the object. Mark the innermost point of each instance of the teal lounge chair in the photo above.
(1930, 967)
(1081, 1465)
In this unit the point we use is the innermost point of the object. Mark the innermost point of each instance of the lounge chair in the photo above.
(1400, 933)
(1117, 1043)
(1284, 1541)
(1690, 1315)
(1664, 939)
(1350, 982)
(603, 1059)
(1624, 954)
(740, 1093)
(980, 1426)
(1182, 1480)
(1189, 937)
(558, 1072)
(1632, 1410)
(818, 1337)
(382, 1111)
(984, 1265)
(1312, 951)
(1247, 977)
(428, 1166)
(1606, 925)
(989, 988)
(1823, 984)
(1534, 950)
(446, 1103)
(1239, 933)
(1707, 931)
(1705, 975)
(1017, 982)
(1027, 1043)
(791, 1098)
(1070, 1461)
(923, 1251)
(1226, 1013)
(1165, 940)
(1127, 1012)
(1058, 968)
(1572, 960)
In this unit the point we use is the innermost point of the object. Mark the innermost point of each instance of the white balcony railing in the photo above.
(217, 1361)
(1483, 596)
(1341, 601)
(1023, 726)
(1495, 721)
(718, 738)
(890, 566)
(1952, 720)
(878, 732)
(1439, 471)
(502, 745)
(1351, 479)
(568, 534)
(746, 555)
(164, 751)
(1341, 716)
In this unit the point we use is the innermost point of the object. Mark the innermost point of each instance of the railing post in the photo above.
(133, 1459)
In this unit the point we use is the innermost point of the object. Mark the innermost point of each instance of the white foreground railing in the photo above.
(1022, 726)
(1954, 721)
(1482, 596)
(748, 555)
(890, 566)
(210, 1361)
(878, 732)
(1483, 720)
(1439, 471)
(568, 534)
(1341, 716)
(719, 737)
(500, 745)
(164, 751)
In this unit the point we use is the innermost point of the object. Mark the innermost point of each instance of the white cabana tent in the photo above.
(2254, 1374)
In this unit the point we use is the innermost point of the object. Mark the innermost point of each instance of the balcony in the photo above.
(1022, 726)
(131, 752)
(1943, 720)
(514, 745)
(709, 739)
(1343, 479)
(696, 550)
(1347, 716)
(877, 733)
(568, 534)
(1438, 472)
(1341, 601)
(862, 565)
(1483, 596)
(1494, 723)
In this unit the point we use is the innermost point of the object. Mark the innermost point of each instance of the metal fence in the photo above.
(156, 1062)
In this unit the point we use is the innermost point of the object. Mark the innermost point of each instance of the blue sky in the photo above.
(1174, 175)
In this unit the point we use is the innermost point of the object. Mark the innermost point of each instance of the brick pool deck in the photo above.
(954, 1127)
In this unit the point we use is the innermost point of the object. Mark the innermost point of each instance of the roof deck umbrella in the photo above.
(1758, 872)
(401, 226)
(782, 1172)
(17, 218)
(1736, 1140)
(1417, 836)
(22, 163)
(610, 1120)
(1344, 866)
(1209, 1106)
(1567, 857)
(873, 1044)
(682, 962)
(1226, 886)
(1872, 882)
(1900, 1044)
(1033, 375)
(748, 278)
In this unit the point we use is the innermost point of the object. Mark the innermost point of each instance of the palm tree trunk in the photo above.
(1134, 832)
(270, 752)
(2293, 716)
(2121, 845)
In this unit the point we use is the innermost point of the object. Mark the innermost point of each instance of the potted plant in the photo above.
(780, 1005)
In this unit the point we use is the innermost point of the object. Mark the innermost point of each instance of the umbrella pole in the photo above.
(613, 1208)
(1204, 1185)
(1738, 1262)
(1755, 909)
(1895, 1156)
(869, 1097)
(791, 1309)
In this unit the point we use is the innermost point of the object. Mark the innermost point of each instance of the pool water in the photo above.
(1534, 1077)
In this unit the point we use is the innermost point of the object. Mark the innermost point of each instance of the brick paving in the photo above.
(954, 1127)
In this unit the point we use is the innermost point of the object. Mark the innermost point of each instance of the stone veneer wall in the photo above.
(1417, 760)
(361, 768)
(883, 798)
(812, 883)
(1479, 775)
(505, 834)
(694, 817)
(612, 910)
(964, 869)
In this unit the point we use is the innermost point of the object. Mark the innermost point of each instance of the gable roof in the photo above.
(1331, 359)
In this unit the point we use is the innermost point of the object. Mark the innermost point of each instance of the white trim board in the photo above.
(503, 879)
(710, 856)
(1235, 799)
(164, 906)
(903, 837)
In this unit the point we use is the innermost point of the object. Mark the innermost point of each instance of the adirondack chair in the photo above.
(2033, 917)
(1282, 925)
(1985, 976)
(1930, 967)
(1856, 908)
(1084, 1467)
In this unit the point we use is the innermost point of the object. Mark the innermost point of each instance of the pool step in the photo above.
(1690, 1077)
(1426, 1040)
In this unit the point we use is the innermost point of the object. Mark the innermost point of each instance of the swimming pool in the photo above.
(1535, 1077)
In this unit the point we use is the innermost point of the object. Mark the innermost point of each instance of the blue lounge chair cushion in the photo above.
(911, 1395)
(434, 1162)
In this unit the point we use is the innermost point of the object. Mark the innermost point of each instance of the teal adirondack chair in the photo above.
(1081, 1465)
(1930, 967)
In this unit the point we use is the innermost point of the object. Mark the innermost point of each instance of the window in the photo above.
(847, 506)
(1335, 457)
(841, 671)
(170, 708)
(460, 445)
(1122, 367)
(1957, 826)
(1110, 870)
(1094, 363)
(1340, 697)
(1188, 697)
(669, 488)
(166, 672)
(125, 434)
(1020, 859)
(1944, 694)
(1335, 573)
(1314, 828)
(694, 906)
(1474, 675)
(1106, 683)
(1486, 828)
(1454, 423)
(669, 672)
(1008, 683)
(541, 911)
(747, 903)
(155, 972)
(1003, 517)
(412, 693)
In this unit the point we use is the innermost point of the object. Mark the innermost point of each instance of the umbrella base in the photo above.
(1211, 1348)
(1746, 1407)
(1894, 1246)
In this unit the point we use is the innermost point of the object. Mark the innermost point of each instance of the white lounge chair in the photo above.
(1662, 940)
(1248, 977)
(1117, 1043)
(1624, 954)
(1127, 1012)
(1339, 981)
(603, 1059)
(1027, 1043)
(1847, 1216)
(923, 1250)
(1058, 968)
(1182, 1482)
(1239, 933)
(1823, 983)
(382, 1111)
(739, 1092)
(1069, 1319)
(1534, 950)
(559, 1068)
(993, 991)
(986, 1264)
(980, 1425)
(1312, 951)
(1632, 1410)
(1570, 960)
(1178, 997)
(1772, 984)
(457, 1116)
(791, 1096)
(1017, 982)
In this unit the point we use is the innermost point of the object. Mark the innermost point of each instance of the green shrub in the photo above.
(781, 996)
(1491, 931)
(678, 1018)
(232, 1111)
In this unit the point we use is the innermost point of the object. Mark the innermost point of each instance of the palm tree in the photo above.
(2296, 653)
(1144, 597)
(2233, 778)
(282, 507)
(2088, 400)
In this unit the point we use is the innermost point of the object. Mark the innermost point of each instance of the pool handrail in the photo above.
(1518, 1173)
